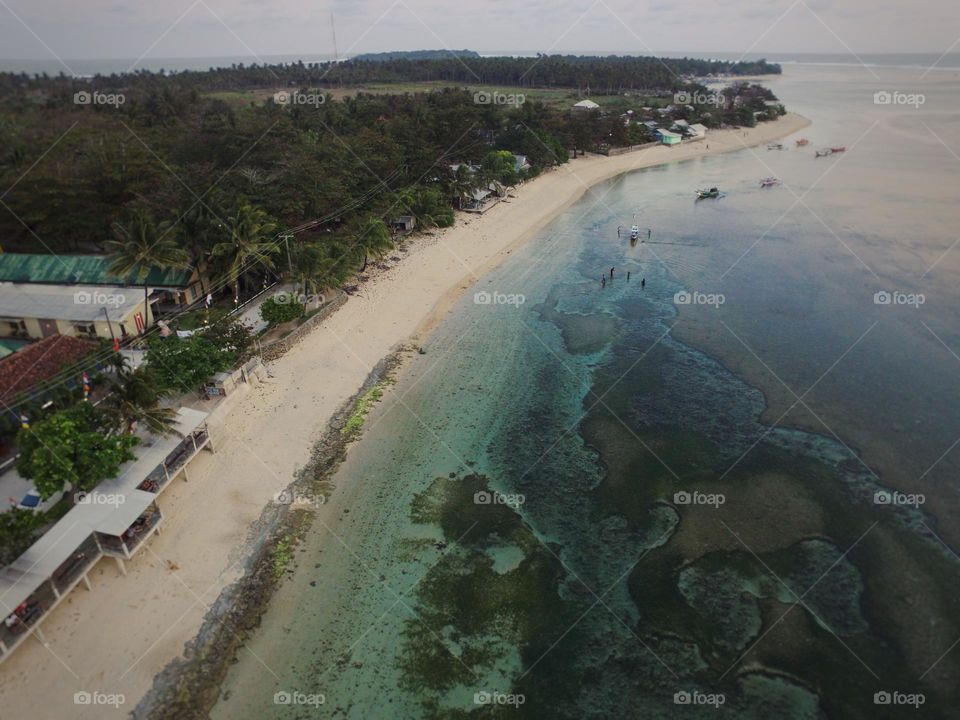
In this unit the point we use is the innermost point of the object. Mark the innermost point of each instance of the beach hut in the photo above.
(669, 138)
(585, 106)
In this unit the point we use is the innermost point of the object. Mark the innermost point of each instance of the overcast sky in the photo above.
(44, 29)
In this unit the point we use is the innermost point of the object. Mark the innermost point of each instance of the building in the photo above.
(26, 371)
(520, 164)
(669, 138)
(698, 131)
(170, 289)
(585, 106)
(403, 224)
(116, 520)
(87, 311)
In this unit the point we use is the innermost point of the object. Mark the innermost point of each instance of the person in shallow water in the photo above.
(643, 283)
(628, 276)
(603, 281)
(611, 273)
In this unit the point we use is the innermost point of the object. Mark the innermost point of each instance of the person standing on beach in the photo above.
(649, 232)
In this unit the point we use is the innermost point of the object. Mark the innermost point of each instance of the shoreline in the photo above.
(218, 525)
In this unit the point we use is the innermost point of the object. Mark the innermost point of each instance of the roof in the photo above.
(38, 362)
(73, 303)
(9, 346)
(81, 270)
(20, 579)
(587, 104)
(667, 133)
(700, 128)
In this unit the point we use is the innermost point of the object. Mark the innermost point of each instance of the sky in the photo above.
(95, 29)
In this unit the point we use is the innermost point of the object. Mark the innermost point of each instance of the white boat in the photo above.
(634, 232)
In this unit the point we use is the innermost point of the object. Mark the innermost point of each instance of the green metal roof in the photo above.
(80, 270)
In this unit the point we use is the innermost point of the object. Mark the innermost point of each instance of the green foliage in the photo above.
(280, 309)
(498, 165)
(72, 446)
(17, 530)
(135, 398)
(183, 364)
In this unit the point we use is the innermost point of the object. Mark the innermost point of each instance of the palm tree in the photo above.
(136, 398)
(141, 246)
(463, 183)
(248, 232)
(374, 239)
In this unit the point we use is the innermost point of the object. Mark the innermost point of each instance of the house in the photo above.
(668, 138)
(680, 126)
(520, 164)
(484, 198)
(88, 311)
(403, 224)
(698, 130)
(171, 289)
(26, 371)
(652, 124)
(585, 106)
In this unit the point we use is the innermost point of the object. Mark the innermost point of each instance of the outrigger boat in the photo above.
(711, 193)
(823, 153)
(775, 146)
(769, 182)
(802, 142)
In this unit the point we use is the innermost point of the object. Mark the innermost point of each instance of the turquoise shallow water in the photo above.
(593, 503)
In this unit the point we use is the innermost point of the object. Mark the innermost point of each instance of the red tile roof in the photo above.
(43, 360)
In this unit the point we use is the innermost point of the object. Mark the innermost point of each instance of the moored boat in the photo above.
(769, 182)
(775, 146)
(842, 148)
(634, 232)
(823, 153)
(802, 142)
(711, 193)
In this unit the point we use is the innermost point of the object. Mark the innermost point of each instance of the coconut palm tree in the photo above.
(142, 245)
(374, 239)
(135, 398)
(250, 240)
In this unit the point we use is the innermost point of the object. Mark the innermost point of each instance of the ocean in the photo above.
(725, 487)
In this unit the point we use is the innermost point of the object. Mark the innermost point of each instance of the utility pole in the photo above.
(286, 241)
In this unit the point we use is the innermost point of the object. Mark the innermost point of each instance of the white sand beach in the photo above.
(117, 637)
